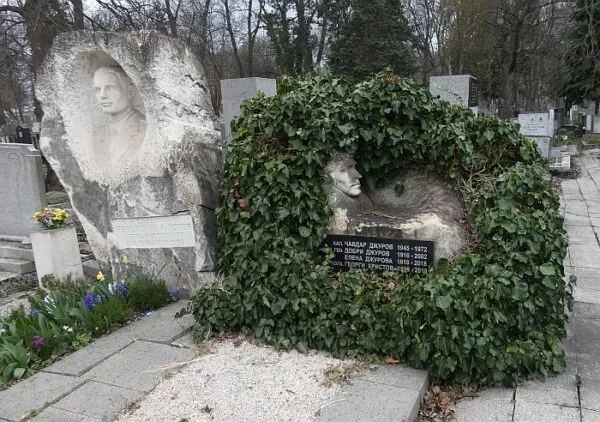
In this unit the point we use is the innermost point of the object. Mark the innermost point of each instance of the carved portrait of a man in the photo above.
(125, 130)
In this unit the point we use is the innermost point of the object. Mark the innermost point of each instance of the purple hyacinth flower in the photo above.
(89, 300)
(121, 288)
(38, 342)
(34, 312)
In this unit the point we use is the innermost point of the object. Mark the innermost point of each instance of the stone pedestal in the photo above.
(56, 253)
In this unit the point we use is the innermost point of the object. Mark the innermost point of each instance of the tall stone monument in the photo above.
(129, 130)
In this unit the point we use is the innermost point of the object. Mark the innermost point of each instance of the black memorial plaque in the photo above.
(472, 101)
(379, 253)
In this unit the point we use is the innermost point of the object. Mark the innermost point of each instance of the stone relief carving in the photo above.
(411, 206)
(125, 129)
(346, 189)
(129, 130)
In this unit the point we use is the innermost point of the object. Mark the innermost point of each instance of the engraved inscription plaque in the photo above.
(174, 231)
(378, 253)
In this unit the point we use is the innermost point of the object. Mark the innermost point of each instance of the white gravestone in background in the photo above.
(130, 132)
(22, 190)
(536, 126)
(235, 91)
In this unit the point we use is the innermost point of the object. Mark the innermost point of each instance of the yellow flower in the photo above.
(124, 260)
(100, 276)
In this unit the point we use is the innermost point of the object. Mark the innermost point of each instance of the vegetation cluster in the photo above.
(493, 315)
(68, 315)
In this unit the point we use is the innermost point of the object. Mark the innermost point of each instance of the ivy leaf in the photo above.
(289, 129)
(547, 269)
(443, 302)
(345, 129)
(304, 231)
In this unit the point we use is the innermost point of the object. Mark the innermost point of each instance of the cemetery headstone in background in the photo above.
(234, 91)
(147, 188)
(21, 189)
(536, 126)
(24, 135)
(460, 90)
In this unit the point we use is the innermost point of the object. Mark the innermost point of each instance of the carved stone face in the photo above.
(344, 175)
(113, 95)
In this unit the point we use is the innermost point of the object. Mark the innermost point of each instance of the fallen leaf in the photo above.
(390, 360)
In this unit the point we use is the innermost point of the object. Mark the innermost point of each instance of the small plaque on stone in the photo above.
(378, 253)
(174, 231)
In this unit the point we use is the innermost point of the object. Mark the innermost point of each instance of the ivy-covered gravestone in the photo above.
(495, 313)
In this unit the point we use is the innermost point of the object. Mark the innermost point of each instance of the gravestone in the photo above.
(380, 253)
(235, 91)
(129, 130)
(539, 128)
(460, 90)
(412, 214)
(21, 189)
(23, 135)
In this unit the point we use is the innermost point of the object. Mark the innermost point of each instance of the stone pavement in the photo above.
(97, 381)
(575, 395)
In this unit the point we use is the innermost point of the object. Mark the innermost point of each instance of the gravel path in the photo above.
(239, 381)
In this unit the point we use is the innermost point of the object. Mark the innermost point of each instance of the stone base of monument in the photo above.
(56, 253)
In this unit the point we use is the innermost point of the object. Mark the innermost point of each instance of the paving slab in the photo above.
(367, 401)
(585, 256)
(94, 353)
(98, 400)
(538, 412)
(590, 273)
(160, 326)
(587, 311)
(577, 220)
(570, 187)
(581, 294)
(588, 367)
(571, 196)
(590, 394)
(581, 234)
(34, 393)
(576, 208)
(589, 416)
(139, 366)
(497, 393)
(398, 376)
(483, 410)
(53, 414)
(560, 390)
(586, 336)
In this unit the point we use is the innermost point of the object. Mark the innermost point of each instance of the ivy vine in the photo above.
(492, 316)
